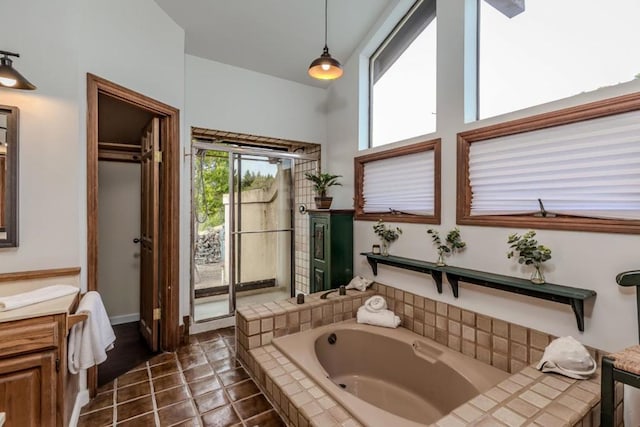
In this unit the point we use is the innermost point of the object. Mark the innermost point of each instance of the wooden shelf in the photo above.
(571, 296)
(407, 264)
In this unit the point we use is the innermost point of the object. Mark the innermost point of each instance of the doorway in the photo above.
(156, 157)
(243, 227)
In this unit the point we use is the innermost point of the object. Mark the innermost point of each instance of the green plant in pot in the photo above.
(321, 183)
(386, 235)
(529, 252)
(453, 242)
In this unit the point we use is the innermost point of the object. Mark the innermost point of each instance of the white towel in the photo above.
(359, 283)
(385, 318)
(90, 340)
(568, 357)
(375, 304)
(33, 297)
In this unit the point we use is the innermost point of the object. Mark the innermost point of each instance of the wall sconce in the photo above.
(9, 77)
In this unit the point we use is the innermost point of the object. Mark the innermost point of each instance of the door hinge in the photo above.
(57, 365)
(156, 314)
(157, 156)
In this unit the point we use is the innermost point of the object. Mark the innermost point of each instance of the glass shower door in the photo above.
(243, 233)
(261, 241)
(210, 260)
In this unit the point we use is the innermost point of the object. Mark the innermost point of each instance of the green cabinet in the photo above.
(331, 248)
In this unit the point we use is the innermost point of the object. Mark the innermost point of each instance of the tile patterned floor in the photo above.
(201, 384)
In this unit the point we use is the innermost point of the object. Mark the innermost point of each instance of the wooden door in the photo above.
(28, 390)
(149, 239)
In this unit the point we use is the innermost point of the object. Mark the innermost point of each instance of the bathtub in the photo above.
(388, 377)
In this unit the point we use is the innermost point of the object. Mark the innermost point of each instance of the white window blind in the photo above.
(403, 184)
(589, 168)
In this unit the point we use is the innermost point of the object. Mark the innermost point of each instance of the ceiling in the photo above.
(275, 37)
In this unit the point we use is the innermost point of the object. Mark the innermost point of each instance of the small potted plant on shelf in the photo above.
(452, 243)
(529, 252)
(386, 235)
(321, 182)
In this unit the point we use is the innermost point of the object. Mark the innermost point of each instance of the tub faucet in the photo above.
(341, 291)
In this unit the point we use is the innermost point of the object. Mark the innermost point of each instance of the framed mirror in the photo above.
(8, 176)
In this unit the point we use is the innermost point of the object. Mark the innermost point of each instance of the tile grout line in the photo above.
(185, 384)
(156, 416)
(115, 403)
(224, 387)
(233, 350)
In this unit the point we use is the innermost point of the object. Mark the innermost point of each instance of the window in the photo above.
(400, 185)
(552, 50)
(403, 79)
(573, 169)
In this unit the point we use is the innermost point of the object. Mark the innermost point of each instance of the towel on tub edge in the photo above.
(385, 318)
(359, 283)
(90, 340)
(568, 357)
(375, 304)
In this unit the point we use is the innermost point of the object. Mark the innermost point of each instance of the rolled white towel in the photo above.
(359, 283)
(33, 297)
(384, 318)
(375, 304)
(568, 357)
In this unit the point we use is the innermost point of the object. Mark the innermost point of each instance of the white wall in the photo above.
(42, 32)
(580, 259)
(134, 44)
(220, 96)
(119, 216)
(223, 97)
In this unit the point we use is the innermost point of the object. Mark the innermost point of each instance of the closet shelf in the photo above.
(571, 296)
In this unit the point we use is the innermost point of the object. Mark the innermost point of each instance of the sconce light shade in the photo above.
(325, 67)
(9, 76)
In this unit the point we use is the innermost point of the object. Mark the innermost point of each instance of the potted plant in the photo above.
(529, 252)
(452, 243)
(387, 235)
(321, 182)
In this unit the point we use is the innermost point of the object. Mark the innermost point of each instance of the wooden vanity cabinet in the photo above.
(33, 372)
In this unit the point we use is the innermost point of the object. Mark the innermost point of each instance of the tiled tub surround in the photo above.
(379, 366)
(527, 398)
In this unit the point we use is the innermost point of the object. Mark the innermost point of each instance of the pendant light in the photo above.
(325, 67)
(9, 77)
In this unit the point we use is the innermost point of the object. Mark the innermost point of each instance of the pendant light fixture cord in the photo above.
(325, 23)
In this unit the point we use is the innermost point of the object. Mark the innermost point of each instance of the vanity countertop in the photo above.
(45, 308)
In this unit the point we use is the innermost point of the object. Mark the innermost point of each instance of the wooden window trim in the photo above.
(361, 161)
(593, 110)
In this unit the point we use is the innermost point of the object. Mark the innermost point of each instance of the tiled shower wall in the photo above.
(304, 195)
